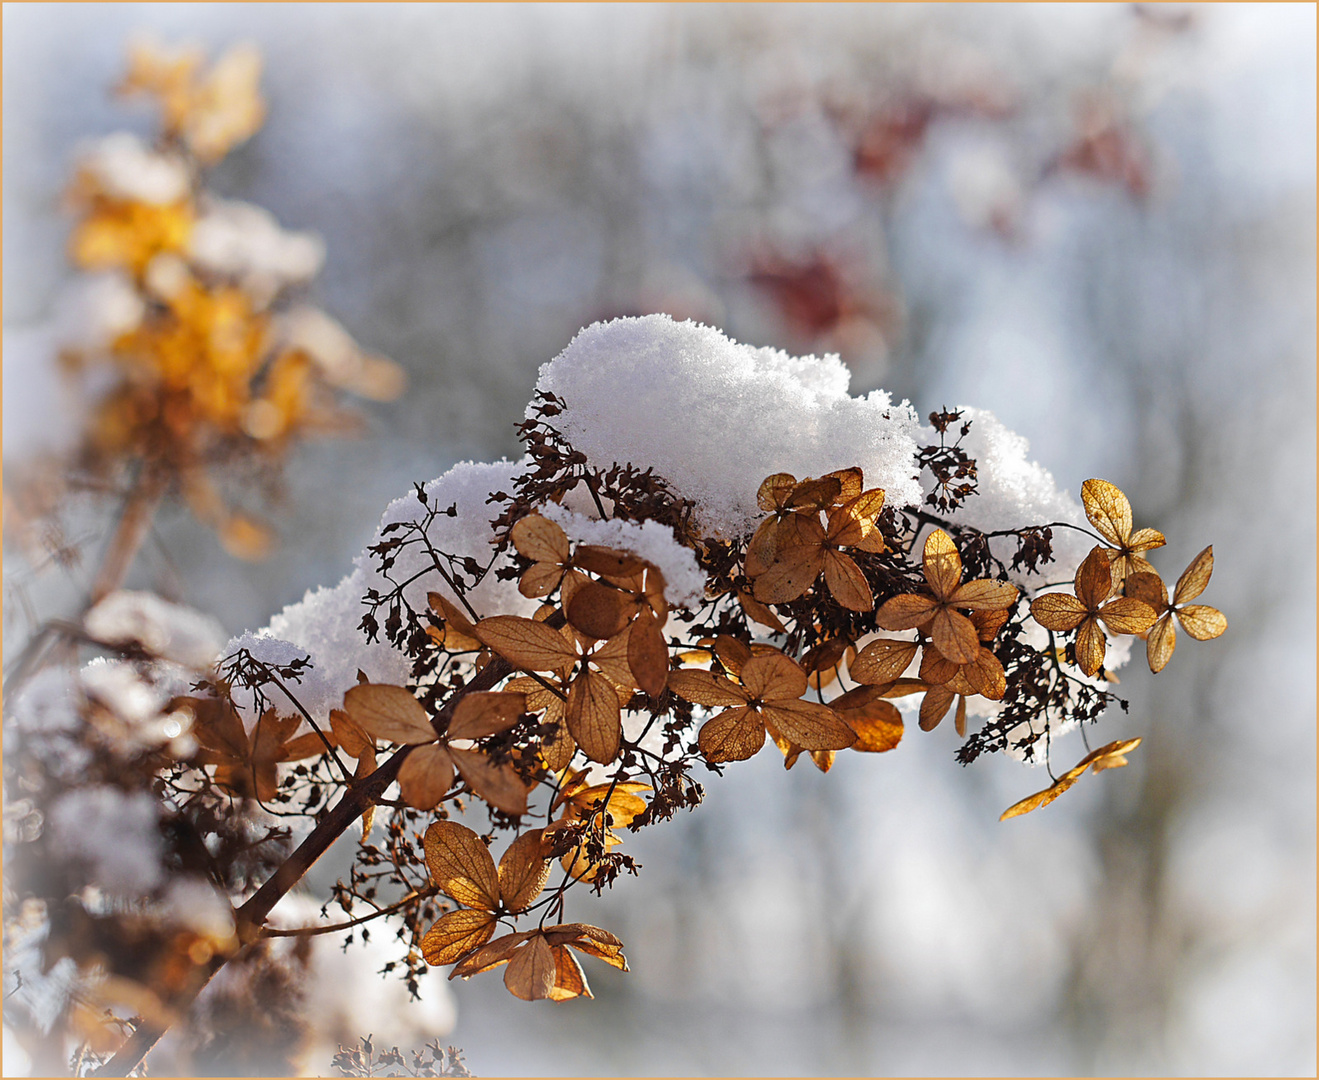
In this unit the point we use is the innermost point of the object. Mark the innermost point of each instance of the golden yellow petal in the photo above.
(455, 935)
(1195, 578)
(774, 491)
(426, 777)
(569, 978)
(1040, 798)
(1201, 622)
(1127, 615)
(1145, 540)
(1161, 642)
(850, 483)
(1108, 510)
(815, 494)
(461, 866)
(984, 595)
(390, 713)
(876, 722)
(943, 565)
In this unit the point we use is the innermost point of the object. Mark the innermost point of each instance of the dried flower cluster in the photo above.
(216, 360)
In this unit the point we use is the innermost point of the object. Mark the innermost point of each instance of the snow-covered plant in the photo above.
(706, 547)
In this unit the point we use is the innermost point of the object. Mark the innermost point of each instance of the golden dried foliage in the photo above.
(1112, 756)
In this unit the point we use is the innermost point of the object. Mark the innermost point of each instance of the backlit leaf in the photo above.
(351, 737)
(703, 688)
(773, 677)
(1094, 579)
(1057, 611)
(934, 707)
(955, 636)
(942, 563)
(569, 979)
(1090, 646)
(540, 540)
(1040, 798)
(846, 582)
(599, 611)
(906, 612)
(1127, 615)
(883, 660)
(606, 561)
(1161, 642)
(490, 956)
(810, 725)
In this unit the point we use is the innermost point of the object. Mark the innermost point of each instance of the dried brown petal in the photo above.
(540, 579)
(734, 735)
(524, 643)
(943, 564)
(846, 582)
(815, 494)
(808, 724)
(1161, 642)
(490, 956)
(1094, 579)
(522, 871)
(1127, 615)
(906, 612)
(936, 669)
(986, 676)
(351, 737)
(793, 571)
(569, 978)
(1057, 611)
(850, 483)
(1108, 510)
(426, 777)
(1148, 589)
(959, 718)
(486, 713)
(774, 491)
(984, 595)
(607, 561)
(883, 660)
(955, 636)
(1195, 578)
(593, 716)
(1040, 798)
(647, 655)
(1090, 646)
(599, 611)
(732, 653)
(703, 688)
(773, 677)
(390, 713)
(1202, 622)
(540, 540)
(455, 935)
(934, 706)
(461, 866)
(876, 722)
(499, 785)
(530, 974)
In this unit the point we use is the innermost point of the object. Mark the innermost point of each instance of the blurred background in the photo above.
(1097, 221)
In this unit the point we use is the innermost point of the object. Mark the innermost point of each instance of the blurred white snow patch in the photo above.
(339, 357)
(714, 417)
(684, 580)
(115, 833)
(40, 412)
(244, 242)
(164, 629)
(194, 903)
(138, 695)
(374, 1005)
(123, 167)
(97, 309)
(16, 1059)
